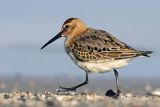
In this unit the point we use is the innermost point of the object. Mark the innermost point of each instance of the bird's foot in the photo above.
(68, 89)
(111, 93)
(64, 89)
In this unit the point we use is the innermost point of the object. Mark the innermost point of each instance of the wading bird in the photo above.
(94, 51)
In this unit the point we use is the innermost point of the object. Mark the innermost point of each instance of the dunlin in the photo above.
(94, 51)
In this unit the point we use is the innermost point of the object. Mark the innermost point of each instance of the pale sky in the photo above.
(35, 21)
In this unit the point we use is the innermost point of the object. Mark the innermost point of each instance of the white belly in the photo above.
(104, 66)
(100, 66)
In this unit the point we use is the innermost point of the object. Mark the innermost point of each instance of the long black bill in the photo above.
(52, 40)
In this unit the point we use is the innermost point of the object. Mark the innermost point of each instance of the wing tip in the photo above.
(145, 53)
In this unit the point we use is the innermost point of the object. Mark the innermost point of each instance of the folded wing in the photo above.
(100, 45)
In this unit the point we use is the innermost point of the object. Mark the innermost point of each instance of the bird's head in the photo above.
(71, 27)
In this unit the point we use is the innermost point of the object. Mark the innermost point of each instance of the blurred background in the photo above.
(25, 25)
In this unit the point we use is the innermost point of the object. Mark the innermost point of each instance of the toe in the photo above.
(111, 93)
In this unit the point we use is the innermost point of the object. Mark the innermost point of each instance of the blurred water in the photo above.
(49, 63)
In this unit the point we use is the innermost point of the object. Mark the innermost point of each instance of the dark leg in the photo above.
(64, 89)
(117, 84)
(110, 92)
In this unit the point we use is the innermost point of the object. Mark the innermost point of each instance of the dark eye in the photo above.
(66, 27)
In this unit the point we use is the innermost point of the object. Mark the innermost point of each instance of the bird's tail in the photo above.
(144, 53)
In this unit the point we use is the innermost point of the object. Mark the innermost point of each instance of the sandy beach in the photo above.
(35, 92)
(47, 99)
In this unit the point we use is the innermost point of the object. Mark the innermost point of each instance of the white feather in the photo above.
(104, 66)
(100, 66)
